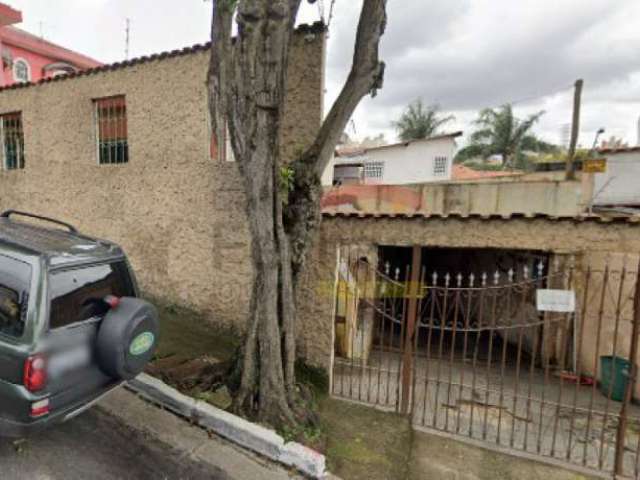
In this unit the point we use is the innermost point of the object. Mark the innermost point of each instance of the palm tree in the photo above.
(501, 133)
(418, 121)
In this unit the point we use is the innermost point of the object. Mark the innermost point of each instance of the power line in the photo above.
(544, 95)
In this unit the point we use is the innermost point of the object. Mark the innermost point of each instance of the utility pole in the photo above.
(128, 30)
(575, 129)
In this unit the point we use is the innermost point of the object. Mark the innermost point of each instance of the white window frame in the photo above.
(440, 166)
(376, 167)
(17, 61)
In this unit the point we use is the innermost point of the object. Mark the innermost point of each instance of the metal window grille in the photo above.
(440, 167)
(374, 169)
(12, 141)
(111, 126)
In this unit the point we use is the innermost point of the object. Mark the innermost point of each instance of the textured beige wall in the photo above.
(178, 213)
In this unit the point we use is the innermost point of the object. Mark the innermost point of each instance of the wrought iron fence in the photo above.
(475, 356)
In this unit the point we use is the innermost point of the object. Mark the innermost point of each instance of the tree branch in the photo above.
(366, 77)
(220, 65)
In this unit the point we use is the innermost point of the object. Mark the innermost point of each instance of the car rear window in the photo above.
(76, 294)
(15, 281)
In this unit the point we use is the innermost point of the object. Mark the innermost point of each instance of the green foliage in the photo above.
(499, 132)
(419, 121)
(287, 177)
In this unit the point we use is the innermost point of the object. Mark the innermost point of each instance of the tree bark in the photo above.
(247, 79)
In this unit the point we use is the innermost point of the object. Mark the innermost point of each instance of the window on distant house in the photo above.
(12, 141)
(21, 70)
(111, 130)
(440, 167)
(374, 170)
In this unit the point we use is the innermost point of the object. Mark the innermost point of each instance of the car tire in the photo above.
(127, 338)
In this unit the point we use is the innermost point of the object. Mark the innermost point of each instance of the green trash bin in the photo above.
(614, 373)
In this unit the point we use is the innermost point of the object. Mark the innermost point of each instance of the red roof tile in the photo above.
(304, 29)
(461, 172)
(632, 220)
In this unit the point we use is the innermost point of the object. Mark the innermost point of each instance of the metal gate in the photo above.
(475, 357)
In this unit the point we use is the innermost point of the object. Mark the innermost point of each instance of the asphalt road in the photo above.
(97, 446)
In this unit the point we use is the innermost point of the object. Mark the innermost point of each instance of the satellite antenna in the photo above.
(128, 32)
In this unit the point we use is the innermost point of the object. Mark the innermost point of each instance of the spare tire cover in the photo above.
(127, 338)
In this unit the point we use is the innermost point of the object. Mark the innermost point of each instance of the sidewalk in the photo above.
(193, 441)
(434, 457)
(370, 444)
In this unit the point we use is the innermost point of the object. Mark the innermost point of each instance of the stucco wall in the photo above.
(619, 184)
(404, 163)
(501, 197)
(178, 213)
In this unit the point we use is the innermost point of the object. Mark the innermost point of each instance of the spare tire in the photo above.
(127, 338)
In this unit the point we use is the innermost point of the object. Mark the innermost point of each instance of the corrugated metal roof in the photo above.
(628, 219)
(317, 27)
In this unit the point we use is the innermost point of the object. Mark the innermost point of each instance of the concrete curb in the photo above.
(238, 430)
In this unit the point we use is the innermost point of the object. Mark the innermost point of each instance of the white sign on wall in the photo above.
(561, 301)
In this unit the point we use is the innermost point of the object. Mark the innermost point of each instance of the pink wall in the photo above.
(36, 62)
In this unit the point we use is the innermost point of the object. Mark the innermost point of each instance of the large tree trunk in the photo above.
(247, 82)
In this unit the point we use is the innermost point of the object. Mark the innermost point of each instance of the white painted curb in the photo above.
(238, 430)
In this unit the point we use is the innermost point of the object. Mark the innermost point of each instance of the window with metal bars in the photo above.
(111, 127)
(12, 141)
(440, 167)
(374, 169)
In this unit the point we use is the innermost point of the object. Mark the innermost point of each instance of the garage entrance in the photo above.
(491, 345)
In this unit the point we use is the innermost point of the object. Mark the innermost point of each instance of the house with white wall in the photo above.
(418, 161)
(619, 184)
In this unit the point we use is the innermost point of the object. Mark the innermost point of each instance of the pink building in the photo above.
(28, 58)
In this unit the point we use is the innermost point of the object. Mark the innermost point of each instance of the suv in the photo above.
(71, 325)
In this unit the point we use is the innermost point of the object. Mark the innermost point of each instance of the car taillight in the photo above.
(112, 301)
(40, 408)
(35, 373)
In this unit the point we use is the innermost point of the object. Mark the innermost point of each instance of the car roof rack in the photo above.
(8, 213)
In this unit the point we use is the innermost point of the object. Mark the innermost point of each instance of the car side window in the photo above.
(76, 294)
(15, 281)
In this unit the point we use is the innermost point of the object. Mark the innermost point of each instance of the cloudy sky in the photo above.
(461, 54)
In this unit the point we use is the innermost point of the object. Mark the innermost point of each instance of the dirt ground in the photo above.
(364, 443)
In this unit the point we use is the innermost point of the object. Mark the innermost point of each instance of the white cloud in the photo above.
(462, 54)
